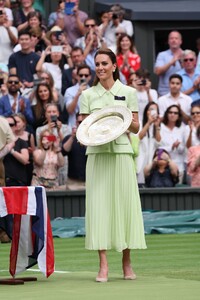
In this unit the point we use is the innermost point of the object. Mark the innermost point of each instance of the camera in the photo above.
(58, 34)
(115, 16)
(82, 80)
(143, 82)
(54, 118)
(1, 81)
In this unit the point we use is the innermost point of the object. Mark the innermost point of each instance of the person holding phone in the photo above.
(72, 21)
(47, 160)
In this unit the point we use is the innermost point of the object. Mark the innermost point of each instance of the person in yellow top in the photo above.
(113, 209)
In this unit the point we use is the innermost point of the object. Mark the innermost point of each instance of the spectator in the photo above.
(57, 37)
(127, 60)
(8, 12)
(72, 24)
(190, 75)
(9, 37)
(125, 24)
(15, 162)
(76, 159)
(191, 128)
(24, 61)
(72, 94)
(162, 171)
(56, 65)
(91, 47)
(173, 137)
(13, 102)
(149, 136)
(47, 160)
(193, 162)
(89, 25)
(52, 19)
(168, 62)
(140, 80)
(176, 97)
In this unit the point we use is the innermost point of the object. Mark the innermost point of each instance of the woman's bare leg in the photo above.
(103, 267)
(126, 265)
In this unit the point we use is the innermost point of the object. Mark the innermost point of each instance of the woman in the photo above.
(173, 137)
(43, 96)
(150, 138)
(113, 213)
(191, 128)
(47, 160)
(193, 162)
(128, 60)
(162, 171)
(16, 161)
(20, 131)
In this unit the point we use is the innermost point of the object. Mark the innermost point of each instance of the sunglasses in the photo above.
(13, 81)
(195, 113)
(11, 124)
(89, 25)
(117, 33)
(188, 59)
(83, 75)
(44, 78)
(173, 112)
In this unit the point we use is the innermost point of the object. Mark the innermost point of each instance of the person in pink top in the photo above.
(128, 60)
(193, 162)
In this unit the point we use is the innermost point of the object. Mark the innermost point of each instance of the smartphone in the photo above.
(82, 80)
(69, 8)
(143, 82)
(154, 112)
(51, 138)
(58, 34)
(54, 118)
(56, 48)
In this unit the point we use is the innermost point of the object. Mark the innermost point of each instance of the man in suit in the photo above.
(13, 102)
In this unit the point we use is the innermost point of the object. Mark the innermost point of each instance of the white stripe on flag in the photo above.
(32, 204)
(3, 208)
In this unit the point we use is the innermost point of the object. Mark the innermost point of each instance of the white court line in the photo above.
(37, 270)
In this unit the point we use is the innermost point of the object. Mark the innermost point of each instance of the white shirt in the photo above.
(5, 43)
(167, 100)
(143, 100)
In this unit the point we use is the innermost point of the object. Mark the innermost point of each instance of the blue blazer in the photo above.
(6, 109)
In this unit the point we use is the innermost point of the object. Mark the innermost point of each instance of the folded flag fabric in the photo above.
(32, 240)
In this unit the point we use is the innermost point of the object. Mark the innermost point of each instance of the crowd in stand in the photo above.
(45, 64)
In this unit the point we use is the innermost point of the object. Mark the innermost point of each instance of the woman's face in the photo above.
(104, 67)
(34, 22)
(162, 160)
(46, 144)
(45, 78)
(43, 93)
(195, 113)
(56, 56)
(125, 43)
(19, 123)
(26, 3)
(51, 110)
(173, 114)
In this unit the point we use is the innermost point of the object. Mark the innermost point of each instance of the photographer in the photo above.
(72, 94)
(140, 80)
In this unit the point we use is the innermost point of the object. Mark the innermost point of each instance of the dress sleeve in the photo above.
(133, 100)
(84, 104)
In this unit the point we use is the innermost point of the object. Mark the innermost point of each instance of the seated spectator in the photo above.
(13, 102)
(23, 63)
(52, 19)
(15, 162)
(140, 80)
(9, 37)
(56, 65)
(193, 162)
(172, 133)
(149, 136)
(72, 94)
(47, 159)
(76, 159)
(190, 75)
(162, 171)
(191, 128)
(176, 97)
(128, 60)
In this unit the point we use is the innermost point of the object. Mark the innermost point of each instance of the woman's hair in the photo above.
(145, 117)
(39, 107)
(165, 117)
(119, 48)
(51, 80)
(112, 57)
(21, 116)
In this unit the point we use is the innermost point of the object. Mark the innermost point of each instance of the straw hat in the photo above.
(104, 125)
(52, 30)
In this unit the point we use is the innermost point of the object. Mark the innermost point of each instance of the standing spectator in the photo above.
(168, 62)
(127, 60)
(7, 11)
(125, 24)
(52, 19)
(190, 75)
(173, 137)
(13, 102)
(89, 25)
(47, 159)
(23, 63)
(72, 94)
(193, 162)
(9, 37)
(175, 97)
(72, 24)
(91, 46)
(191, 128)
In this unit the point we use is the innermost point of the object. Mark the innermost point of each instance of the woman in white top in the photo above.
(150, 138)
(172, 137)
(191, 128)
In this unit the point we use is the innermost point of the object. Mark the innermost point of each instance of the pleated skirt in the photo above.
(113, 209)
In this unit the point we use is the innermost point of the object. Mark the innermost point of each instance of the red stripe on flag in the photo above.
(15, 244)
(49, 249)
(16, 199)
